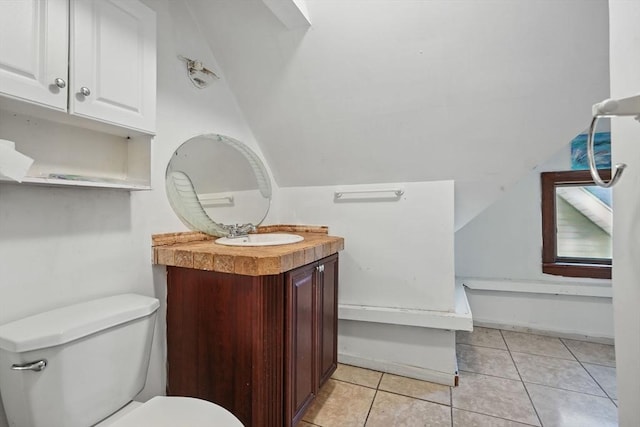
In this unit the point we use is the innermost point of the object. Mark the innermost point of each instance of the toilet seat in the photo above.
(163, 411)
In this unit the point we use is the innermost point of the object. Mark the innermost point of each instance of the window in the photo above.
(576, 225)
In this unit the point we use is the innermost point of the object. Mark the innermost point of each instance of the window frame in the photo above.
(596, 268)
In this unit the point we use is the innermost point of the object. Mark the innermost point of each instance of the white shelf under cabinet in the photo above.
(88, 183)
(70, 156)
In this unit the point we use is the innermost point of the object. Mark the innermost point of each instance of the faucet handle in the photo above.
(247, 228)
(236, 230)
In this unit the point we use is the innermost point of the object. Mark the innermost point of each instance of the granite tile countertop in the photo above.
(199, 251)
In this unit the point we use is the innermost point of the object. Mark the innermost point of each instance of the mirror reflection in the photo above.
(218, 185)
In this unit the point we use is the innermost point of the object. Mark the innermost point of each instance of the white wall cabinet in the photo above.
(108, 47)
(74, 65)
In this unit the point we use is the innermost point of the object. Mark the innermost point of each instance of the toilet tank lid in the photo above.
(70, 323)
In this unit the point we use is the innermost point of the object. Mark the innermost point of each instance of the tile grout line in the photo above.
(379, 381)
(544, 355)
(521, 380)
(370, 408)
(373, 400)
(491, 375)
(589, 373)
(352, 383)
(451, 404)
(571, 391)
(496, 416)
(504, 341)
(396, 393)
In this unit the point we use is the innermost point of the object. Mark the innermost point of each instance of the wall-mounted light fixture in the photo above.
(199, 75)
(13, 164)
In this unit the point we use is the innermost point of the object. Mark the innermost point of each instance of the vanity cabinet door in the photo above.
(113, 62)
(327, 284)
(33, 51)
(311, 329)
(300, 341)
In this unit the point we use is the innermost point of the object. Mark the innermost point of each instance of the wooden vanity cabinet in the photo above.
(260, 346)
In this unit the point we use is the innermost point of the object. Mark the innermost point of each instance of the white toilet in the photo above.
(82, 365)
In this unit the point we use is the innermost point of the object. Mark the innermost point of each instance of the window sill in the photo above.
(577, 270)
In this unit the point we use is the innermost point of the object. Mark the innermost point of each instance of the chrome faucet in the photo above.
(237, 230)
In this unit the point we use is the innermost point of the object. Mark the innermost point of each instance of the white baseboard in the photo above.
(399, 369)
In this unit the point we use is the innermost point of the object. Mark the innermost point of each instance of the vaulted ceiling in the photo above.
(406, 90)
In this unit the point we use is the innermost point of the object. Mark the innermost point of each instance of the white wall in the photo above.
(498, 256)
(625, 81)
(60, 246)
(395, 91)
(398, 253)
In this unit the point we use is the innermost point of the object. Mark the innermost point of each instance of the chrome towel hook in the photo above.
(616, 171)
(629, 106)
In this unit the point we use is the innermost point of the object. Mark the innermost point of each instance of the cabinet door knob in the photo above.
(85, 91)
(60, 83)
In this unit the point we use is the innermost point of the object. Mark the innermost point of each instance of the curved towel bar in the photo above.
(616, 171)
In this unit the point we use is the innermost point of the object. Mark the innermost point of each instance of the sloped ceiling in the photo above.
(404, 90)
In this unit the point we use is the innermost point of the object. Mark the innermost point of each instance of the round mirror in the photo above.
(218, 185)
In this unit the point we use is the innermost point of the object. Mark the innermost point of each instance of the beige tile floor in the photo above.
(507, 379)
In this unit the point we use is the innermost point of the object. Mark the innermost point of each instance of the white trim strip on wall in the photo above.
(554, 288)
(460, 319)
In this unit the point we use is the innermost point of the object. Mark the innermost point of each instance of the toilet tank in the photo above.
(96, 354)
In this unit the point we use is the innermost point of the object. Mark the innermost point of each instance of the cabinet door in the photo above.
(33, 51)
(327, 318)
(113, 62)
(300, 326)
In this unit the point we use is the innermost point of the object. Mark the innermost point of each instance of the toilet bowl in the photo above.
(162, 411)
(82, 365)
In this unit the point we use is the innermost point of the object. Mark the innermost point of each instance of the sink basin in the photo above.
(264, 239)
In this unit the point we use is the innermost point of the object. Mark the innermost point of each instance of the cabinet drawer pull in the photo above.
(60, 83)
(85, 91)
